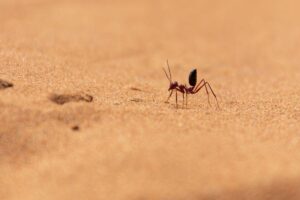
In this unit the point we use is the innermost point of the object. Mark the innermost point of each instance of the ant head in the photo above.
(173, 85)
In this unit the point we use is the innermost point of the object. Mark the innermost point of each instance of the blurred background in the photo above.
(135, 36)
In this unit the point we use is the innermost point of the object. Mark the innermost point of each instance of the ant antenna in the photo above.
(166, 75)
(169, 71)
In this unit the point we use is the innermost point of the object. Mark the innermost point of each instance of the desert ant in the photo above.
(185, 90)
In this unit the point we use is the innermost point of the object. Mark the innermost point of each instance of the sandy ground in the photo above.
(86, 118)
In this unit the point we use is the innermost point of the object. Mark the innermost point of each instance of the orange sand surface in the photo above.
(82, 100)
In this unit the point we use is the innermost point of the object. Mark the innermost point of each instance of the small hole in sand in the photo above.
(66, 98)
(75, 128)
(136, 100)
(5, 84)
(135, 89)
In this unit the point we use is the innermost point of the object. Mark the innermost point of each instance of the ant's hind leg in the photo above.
(199, 87)
(207, 94)
(213, 94)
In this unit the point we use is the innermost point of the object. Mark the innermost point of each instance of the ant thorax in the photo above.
(182, 88)
(173, 85)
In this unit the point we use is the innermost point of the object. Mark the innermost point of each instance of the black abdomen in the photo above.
(193, 77)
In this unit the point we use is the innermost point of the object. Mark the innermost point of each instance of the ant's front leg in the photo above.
(183, 91)
(169, 97)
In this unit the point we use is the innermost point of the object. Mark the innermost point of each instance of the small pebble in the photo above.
(75, 128)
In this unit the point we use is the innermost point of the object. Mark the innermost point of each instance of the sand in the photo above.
(85, 114)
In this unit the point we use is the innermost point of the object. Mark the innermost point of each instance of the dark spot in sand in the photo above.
(232, 102)
(66, 98)
(135, 89)
(75, 128)
(5, 84)
(136, 100)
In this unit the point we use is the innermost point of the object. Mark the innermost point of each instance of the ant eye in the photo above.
(193, 77)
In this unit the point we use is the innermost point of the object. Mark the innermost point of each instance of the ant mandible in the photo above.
(185, 90)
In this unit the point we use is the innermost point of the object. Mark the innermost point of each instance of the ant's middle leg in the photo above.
(182, 99)
(186, 99)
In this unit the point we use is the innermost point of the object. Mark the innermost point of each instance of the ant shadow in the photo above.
(190, 107)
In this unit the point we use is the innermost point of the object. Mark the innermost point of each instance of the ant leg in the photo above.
(176, 99)
(200, 87)
(207, 95)
(182, 100)
(213, 94)
(169, 97)
(197, 87)
(186, 100)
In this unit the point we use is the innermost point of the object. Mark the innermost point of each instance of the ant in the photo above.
(192, 89)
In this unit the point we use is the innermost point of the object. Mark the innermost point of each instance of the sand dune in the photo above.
(82, 100)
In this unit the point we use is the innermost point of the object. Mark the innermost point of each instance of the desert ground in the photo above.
(82, 100)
